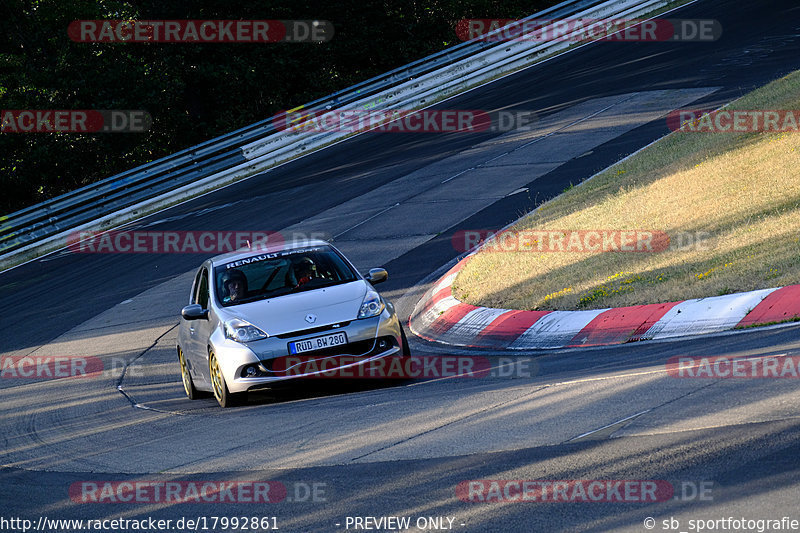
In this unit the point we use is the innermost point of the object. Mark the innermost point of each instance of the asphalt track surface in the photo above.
(402, 450)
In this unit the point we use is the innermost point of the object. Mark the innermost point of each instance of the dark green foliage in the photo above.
(194, 92)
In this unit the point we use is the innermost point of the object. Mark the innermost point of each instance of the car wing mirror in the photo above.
(194, 312)
(377, 275)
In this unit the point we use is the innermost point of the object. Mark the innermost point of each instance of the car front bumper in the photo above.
(274, 363)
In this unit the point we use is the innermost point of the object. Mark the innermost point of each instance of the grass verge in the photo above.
(740, 192)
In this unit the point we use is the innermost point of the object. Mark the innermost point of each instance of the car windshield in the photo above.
(276, 274)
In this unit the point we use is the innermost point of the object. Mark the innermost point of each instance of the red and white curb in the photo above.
(440, 317)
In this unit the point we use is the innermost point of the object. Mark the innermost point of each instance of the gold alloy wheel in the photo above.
(185, 377)
(217, 381)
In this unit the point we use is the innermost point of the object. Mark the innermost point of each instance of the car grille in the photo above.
(301, 332)
(366, 349)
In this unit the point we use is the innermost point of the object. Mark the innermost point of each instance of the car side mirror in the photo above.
(194, 312)
(377, 275)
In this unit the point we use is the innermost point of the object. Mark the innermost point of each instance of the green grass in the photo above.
(740, 192)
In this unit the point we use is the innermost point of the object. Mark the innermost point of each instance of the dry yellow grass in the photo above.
(742, 189)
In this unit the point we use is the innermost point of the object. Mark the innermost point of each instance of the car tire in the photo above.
(223, 396)
(406, 350)
(186, 377)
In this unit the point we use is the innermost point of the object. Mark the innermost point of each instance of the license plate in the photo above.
(318, 343)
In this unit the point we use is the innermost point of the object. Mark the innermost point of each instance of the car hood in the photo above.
(288, 313)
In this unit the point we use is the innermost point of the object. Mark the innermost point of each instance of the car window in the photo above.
(280, 273)
(193, 295)
(202, 290)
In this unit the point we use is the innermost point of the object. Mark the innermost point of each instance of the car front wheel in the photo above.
(224, 397)
(406, 349)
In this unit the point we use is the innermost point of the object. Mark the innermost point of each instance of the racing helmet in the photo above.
(306, 264)
(233, 275)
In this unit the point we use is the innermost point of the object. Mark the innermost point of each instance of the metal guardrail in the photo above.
(24, 228)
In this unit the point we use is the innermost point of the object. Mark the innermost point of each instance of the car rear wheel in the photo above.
(186, 377)
(224, 397)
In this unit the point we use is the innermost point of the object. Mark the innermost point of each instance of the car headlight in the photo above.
(371, 306)
(242, 331)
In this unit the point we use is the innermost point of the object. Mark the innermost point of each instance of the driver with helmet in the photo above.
(234, 285)
(304, 271)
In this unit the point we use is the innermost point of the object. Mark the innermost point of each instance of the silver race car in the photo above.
(257, 317)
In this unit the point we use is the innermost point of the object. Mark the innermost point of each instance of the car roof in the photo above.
(269, 248)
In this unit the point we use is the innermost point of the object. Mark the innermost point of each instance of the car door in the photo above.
(198, 331)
